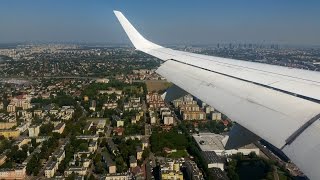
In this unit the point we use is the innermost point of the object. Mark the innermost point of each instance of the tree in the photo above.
(34, 142)
(145, 153)
(99, 168)
(33, 165)
(72, 176)
(46, 129)
(83, 146)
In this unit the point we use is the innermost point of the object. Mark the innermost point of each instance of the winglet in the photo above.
(135, 37)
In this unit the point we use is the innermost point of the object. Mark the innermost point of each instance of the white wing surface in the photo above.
(279, 104)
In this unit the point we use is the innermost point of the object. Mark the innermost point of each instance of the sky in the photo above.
(183, 22)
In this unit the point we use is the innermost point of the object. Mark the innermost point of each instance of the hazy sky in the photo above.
(162, 21)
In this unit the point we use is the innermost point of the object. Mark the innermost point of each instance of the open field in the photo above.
(157, 85)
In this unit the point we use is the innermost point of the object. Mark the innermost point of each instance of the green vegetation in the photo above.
(134, 129)
(252, 167)
(171, 139)
(33, 167)
(4, 144)
(212, 126)
(60, 100)
(178, 154)
(93, 88)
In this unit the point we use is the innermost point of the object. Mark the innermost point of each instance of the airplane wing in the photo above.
(279, 104)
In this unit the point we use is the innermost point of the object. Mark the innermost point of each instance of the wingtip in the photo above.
(116, 12)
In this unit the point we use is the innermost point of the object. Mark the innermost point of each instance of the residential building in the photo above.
(208, 109)
(132, 106)
(93, 105)
(193, 115)
(154, 100)
(50, 169)
(7, 125)
(11, 108)
(101, 124)
(112, 147)
(218, 174)
(192, 170)
(145, 143)
(59, 155)
(111, 165)
(81, 171)
(153, 118)
(168, 120)
(13, 174)
(10, 133)
(117, 176)
(3, 158)
(111, 105)
(117, 121)
(133, 162)
(102, 80)
(216, 143)
(37, 113)
(93, 146)
(171, 175)
(216, 116)
(59, 128)
(34, 130)
(139, 152)
(213, 160)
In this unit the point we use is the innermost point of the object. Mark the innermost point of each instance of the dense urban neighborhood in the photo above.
(98, 112)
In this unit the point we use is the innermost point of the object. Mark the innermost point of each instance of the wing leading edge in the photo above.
(270, 101)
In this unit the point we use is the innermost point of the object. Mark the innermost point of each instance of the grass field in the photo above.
(178, 154)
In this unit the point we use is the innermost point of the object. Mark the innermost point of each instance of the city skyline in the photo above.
(285, 22)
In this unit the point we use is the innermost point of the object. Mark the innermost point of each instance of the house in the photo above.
(117, 121)
(167, 119)
(93, 146)
(112, 147)
(3, 158)
(118, 131)
(145, 143)
(111, 165)
(101, 124)
(133, 162)
(93, 105)
(139, 152)
(59, 128)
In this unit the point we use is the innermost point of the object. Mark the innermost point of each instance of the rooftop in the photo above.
(209, 141)
(212, 157)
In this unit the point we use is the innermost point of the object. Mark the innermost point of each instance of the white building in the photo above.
(1, 105)
(216, 116)
(34, 131)
(168, 120)
(216, 143)
(50, 169)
